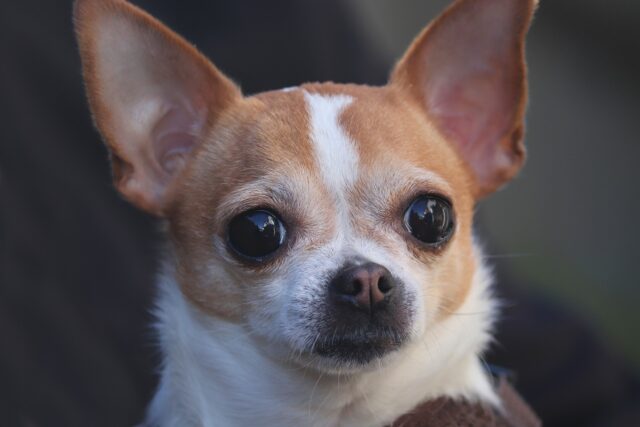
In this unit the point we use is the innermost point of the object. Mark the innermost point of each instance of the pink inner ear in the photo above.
(476, 110)
(468, 70)
(175, 135)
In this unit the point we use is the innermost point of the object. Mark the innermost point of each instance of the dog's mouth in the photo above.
(359, 347)
(359, 338)
(341, 335)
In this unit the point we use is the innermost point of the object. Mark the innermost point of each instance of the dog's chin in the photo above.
(354, 352)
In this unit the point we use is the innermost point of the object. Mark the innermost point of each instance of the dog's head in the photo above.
(333, 221)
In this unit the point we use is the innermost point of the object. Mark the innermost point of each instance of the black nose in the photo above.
(364, 286)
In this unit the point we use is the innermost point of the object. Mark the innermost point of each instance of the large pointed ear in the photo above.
(467, 70)
(152, 95)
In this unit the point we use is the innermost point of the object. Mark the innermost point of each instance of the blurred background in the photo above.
(77, 263)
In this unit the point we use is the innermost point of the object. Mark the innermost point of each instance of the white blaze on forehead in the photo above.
(336, 154)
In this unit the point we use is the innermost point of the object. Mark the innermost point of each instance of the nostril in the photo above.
(347, 285)
(353, 288)
(385, 285)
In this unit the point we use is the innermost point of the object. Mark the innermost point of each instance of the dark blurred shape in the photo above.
(77, 263)
(265, 45)
(559, 364)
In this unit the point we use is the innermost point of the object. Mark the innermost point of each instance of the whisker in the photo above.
(500, 256)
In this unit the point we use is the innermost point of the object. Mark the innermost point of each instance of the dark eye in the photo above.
(429, 219)
(256, 234)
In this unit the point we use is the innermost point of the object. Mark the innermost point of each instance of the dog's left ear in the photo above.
(467, 70)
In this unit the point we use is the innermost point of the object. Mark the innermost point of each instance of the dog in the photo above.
(321, 267)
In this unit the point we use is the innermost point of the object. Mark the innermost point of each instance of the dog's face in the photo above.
(333, 221)
(318, 234)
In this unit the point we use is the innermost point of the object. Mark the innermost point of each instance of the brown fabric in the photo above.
(446, 412)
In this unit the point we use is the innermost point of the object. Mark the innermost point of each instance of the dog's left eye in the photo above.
(430, 220)
(256, 234)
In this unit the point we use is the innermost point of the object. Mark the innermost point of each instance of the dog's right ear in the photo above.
(152, 95)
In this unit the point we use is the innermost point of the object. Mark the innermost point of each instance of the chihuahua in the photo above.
(321, 268)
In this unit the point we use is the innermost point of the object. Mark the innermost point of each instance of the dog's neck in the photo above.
(214, 373)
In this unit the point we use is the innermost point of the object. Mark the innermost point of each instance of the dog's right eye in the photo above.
(256, 234)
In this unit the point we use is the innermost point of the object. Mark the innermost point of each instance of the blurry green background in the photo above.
(567, 226)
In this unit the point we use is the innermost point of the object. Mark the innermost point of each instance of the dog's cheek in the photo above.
(274, 301)
(413, 276)
(207, 277)
(262, 306)
(211, 288)
(304, 298)
(452, 277)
